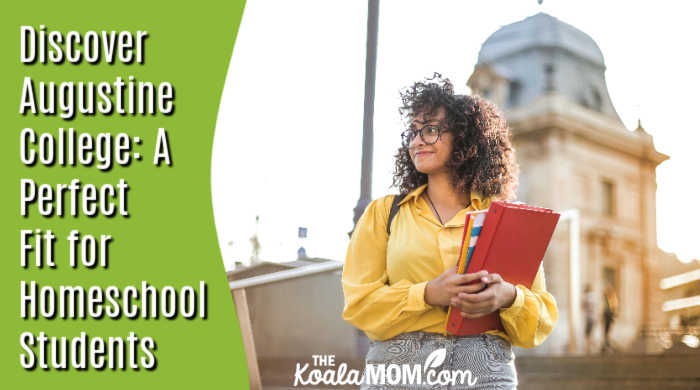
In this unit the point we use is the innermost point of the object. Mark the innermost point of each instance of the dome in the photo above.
(539, 31)
(540, 55)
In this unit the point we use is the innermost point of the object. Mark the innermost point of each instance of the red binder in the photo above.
(512, 243)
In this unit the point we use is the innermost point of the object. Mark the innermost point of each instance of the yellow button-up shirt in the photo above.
(384, 277)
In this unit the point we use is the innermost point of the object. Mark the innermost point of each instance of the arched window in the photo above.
(597, 100)
(514, 88)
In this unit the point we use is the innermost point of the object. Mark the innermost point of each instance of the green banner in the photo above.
(112, 276)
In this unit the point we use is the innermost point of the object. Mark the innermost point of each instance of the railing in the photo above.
(689, 335)
(238, 290)
(285, 275)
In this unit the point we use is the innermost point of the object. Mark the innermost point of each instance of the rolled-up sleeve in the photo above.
(533, 314)
(371, 304)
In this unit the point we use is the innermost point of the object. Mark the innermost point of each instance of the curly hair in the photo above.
(482, 159)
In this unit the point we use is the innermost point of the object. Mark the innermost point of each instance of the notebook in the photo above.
(509, 239)
(475, 220)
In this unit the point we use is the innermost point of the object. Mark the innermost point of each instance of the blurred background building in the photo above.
(575, 153)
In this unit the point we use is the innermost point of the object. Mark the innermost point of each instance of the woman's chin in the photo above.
(426, 169)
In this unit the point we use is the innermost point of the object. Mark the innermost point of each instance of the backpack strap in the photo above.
(392, 212)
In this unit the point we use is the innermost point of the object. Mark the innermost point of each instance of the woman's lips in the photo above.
(422, 153)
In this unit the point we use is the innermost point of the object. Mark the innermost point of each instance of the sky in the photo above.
(288, 141)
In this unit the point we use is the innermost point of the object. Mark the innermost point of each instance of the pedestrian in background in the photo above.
(589, 307)
(609, 315)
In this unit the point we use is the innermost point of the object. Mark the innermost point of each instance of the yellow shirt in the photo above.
(384, 277)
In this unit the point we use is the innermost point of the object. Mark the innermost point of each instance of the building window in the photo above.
(608, 197)
(597, 100)
(610, 289)
(610, 277)
(582, 101)
(513, 93)
(549, 77)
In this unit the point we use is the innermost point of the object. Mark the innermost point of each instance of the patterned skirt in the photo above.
(419, 360)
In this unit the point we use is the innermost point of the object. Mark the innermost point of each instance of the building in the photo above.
(681, 294)
(575, 153)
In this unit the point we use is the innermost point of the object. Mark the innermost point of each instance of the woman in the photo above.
(609, 315)
(455, 157)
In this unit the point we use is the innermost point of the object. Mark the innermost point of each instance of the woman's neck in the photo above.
(443, 193)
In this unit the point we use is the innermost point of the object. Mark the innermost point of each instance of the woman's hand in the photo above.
(496, 295)
(441, 290)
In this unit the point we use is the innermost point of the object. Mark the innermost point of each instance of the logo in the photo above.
(326, 372)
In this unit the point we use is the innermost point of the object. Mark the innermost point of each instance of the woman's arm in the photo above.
(372, 305)
(527, 314)
(533, 314)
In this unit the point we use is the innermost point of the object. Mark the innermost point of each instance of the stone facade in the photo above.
(575, 153)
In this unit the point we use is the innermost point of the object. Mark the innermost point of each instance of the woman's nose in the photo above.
(417, 141)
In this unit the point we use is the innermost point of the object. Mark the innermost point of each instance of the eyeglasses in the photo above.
(430, 134)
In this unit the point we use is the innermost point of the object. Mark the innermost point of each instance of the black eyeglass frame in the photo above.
(404, 135)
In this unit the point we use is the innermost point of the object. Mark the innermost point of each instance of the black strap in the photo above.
(392, 212)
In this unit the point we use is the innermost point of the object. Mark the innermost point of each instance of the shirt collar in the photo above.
(477, 201)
